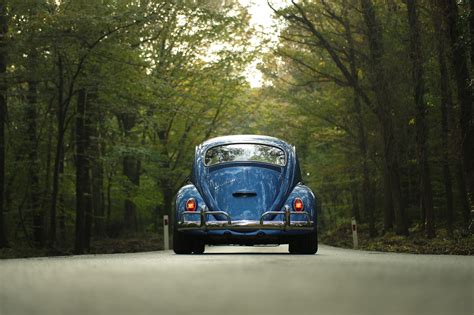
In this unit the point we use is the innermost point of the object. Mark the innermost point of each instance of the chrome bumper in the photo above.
(244, 225)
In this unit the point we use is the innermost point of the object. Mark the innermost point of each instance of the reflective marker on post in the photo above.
(166, 240)
(354, 233)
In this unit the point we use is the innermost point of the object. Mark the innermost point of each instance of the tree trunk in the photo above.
(34, 196)
(446, 111)
(87, 171)
(60, 204)
(463, 196)
(3, 113)
(367, 193)
(83, 182)
(58, 157)
(464, 90)
(471, 28)
(131, 169)
(84, 136)
(97, 188)
(388, 213)
(355, 212)
(62, 214)
(446, 115)
(367, 197)
(109, 197)
(46, 187)
(80, 174)
(420, 118)
(384, 114)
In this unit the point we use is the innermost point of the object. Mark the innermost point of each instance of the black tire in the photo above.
(182, 243)
(293, 247)
(304, 244)
(198, 247)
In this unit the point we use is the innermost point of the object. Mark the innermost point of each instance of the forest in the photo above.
(103, 101)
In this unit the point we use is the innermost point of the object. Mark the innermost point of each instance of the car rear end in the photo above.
(245, 193)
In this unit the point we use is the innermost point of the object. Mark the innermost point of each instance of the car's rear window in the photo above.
(245, 152)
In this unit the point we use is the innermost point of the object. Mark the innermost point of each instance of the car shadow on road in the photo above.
(250, 254)
(246, 253)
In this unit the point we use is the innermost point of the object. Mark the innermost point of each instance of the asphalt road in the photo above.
(239, 280)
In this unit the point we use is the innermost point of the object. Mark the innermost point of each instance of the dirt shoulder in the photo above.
(143, 243)
(415, 243)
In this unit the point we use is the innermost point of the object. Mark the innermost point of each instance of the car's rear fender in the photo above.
(309, 201)
(184, 194)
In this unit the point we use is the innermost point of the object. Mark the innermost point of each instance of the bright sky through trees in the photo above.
(263, 21)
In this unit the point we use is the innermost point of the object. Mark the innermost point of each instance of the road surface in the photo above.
(239, 280)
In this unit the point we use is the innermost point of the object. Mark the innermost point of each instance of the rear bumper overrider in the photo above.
(244, 225)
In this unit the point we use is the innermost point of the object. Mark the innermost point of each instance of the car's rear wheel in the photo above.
(198, 247)
(292, 247)
(182, 243)
(304, 244)
(186, 244)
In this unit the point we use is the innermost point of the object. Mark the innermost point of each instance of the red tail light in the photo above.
(191, 204)
(298, 204)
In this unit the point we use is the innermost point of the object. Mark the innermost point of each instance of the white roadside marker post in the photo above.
(166, 236)
(354, 233)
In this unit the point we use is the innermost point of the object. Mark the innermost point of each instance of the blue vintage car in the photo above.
(247, 190)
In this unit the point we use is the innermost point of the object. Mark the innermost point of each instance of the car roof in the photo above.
(246, 139)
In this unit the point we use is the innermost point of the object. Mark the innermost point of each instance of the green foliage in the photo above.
(321, 69)
(162, 76)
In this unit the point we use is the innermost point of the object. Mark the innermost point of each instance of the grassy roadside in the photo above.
(132, 244)
(415, 243)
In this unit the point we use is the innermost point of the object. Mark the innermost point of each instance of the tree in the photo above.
(344, 55)
(384, 109)
(94, 86)
(416, 55)
(329, 49)
(83, 179)
(446, 105)
(3, 114)
(464, 92)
